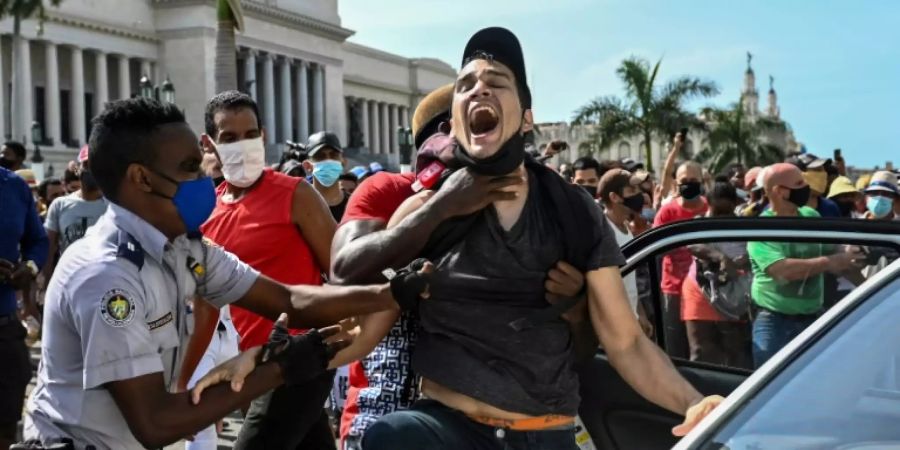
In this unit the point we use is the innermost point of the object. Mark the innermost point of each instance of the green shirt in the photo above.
(787, 297)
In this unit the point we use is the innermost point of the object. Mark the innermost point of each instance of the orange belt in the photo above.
(548, 422)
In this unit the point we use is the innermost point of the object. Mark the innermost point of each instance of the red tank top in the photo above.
(259, 230)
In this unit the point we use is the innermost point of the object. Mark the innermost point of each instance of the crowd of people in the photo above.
(173, 284)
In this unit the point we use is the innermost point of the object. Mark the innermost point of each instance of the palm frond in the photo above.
(684, 89)
(634, 73)
(596, 109)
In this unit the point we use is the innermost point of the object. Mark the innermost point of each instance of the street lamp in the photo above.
(37, 160)
(405, 140)
(168, 91)
(162, 93)
(146, 87)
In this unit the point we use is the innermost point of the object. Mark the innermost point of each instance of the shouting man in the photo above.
(488, 385)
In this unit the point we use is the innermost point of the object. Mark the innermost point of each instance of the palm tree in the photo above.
(21, 10)
(230, 18)
(646, 110)
(735, 138)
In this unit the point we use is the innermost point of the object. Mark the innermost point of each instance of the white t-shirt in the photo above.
(630, 280)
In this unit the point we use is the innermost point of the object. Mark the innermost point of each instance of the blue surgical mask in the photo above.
(879, 206)
(648, 213)
(194, 200)
(327, 172)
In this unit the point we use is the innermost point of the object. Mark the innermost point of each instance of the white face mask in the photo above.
(242, 161)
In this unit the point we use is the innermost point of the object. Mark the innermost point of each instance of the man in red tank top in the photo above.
(280, 226)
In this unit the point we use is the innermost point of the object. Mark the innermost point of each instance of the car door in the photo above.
(616, 416)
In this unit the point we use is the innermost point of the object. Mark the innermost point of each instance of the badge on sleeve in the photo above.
(117, 308)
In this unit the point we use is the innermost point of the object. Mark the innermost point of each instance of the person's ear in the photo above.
(527, 121)
(137, 176)
(308, 167)
(262, 134)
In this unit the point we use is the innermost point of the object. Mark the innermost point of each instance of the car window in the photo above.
(841, 393)
(735, 304)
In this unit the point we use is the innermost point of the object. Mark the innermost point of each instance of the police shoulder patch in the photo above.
(117, 308)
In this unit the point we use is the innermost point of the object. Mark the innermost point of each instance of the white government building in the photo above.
(293, 58)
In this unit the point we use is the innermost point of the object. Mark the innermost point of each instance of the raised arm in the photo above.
(668, 174)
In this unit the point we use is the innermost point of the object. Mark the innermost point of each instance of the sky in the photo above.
(836, 63)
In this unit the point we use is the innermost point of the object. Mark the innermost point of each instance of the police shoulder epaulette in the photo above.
(130, 249)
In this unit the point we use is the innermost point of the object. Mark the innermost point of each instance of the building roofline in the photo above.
(428, 63)
(273, 14)
(95, 25)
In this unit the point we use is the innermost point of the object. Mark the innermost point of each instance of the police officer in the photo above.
(116, 315)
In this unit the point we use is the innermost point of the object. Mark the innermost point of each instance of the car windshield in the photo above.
(842, 393)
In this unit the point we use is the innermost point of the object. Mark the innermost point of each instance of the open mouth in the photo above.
(483, 120)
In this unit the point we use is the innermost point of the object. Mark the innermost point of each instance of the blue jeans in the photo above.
(431, 425)
(772, 331)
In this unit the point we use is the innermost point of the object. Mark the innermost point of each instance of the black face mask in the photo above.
(800, 196)
(590, 190)
(690, 190)
(7, 163)
(635, 203)
(846, 208)
(218, 180)
(88, 182)
(507, 159)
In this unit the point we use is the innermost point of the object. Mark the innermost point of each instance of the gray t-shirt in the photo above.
(490, 279)
(71, 216)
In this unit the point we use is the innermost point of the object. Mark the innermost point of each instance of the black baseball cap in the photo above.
(500, 45)
(323, 139)
(808, 161)
(631, 165)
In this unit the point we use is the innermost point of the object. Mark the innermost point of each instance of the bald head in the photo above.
(689, 171)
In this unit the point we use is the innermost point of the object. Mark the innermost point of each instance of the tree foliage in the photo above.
(647, 109)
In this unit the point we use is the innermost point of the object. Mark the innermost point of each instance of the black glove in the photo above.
(408, 284)
(302, 357)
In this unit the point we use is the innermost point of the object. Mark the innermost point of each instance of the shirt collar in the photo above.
(152, 240)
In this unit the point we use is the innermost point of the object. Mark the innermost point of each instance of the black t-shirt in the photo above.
(490, 279)
(337, 211)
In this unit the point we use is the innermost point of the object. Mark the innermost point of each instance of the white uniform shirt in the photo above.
(116, 308)
(631, 279)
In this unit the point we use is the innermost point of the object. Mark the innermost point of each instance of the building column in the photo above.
(404, 117)
(124, 77)
(250, 82)
(147, 70)
(319, 98)
(286, 96)
(364, 122)
(23, 107)
(385, 129)
(76, 109)
(101, 95)
(302, 101)
(53, 121)
(269, 98)
(395, 123)
(374, 127)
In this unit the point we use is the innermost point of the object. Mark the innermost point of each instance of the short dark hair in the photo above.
(608, 165)
(123, 135)
(723, 190)
(349, 177)
(70, 176)
(228, 101)
(587, 163)
(614, 180)
(42, 188)
(17, 148)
